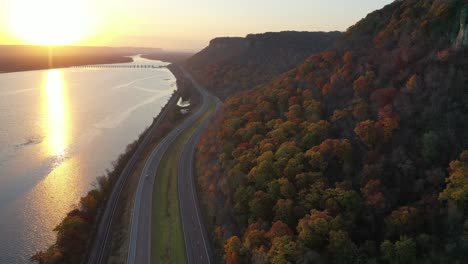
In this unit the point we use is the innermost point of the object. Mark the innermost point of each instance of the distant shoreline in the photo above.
(165, 57)
(100, 61)
(31, 58)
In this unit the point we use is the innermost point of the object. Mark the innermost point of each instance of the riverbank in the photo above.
(166, 120)
(121, 229)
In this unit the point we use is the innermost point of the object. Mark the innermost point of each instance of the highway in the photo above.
(195, 236)
(101, 246)
(197, 244)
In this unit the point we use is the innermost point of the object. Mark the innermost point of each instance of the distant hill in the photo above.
(24, 58)
(230, 65)
(358, 155)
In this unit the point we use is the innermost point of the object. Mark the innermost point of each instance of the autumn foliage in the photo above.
(344, 159)
(231, 65)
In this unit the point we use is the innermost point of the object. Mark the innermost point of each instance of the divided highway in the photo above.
(195, 236)
(101, 246)
(197, 244)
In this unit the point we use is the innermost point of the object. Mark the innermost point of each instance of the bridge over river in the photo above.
(132, 66)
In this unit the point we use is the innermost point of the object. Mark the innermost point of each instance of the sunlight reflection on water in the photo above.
(55, 113)
(60, 130)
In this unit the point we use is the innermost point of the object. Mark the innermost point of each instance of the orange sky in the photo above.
(169, 24)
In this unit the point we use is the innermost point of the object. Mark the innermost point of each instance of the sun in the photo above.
(49, 22)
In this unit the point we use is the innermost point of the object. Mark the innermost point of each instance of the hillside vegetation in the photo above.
(231, 65)
(359, 155)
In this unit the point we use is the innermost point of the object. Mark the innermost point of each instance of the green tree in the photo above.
(295, 113)
(402, 251)
(283, 250)
(336, 152)
(347, 201)
(284, 210)
(405, 250)
(313, 229)
(341, 247)
(313, 110)
(241, 199)
(315, 133)
(387, 250)
(260, 206)
(264, 172)
(430, 148)
(294, 166)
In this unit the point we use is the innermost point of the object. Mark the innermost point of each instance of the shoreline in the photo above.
(107, 227)
(169, 117)
(38, 63)
(20, 58)
(68, 65)
(126, 165)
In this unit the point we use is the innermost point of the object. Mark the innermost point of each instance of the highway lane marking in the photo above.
(193, 195)
(98, 249)
(153, 162)
(194, 138)
(162, 146)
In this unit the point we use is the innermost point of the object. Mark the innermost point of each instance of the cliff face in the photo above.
(226, 43)
(462, 38)
(230, 65)
(285, 39)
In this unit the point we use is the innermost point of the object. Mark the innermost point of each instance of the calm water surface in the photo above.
(59, 130)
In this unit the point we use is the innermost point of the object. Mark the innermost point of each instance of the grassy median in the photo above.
(167, 237)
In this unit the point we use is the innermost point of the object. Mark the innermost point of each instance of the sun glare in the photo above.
(49, 22)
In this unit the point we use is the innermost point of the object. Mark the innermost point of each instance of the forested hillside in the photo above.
(230, 65)
(359, 155)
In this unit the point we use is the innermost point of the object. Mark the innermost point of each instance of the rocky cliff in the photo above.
(230, 65)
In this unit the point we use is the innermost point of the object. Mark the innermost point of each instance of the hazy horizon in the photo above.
(171, 25)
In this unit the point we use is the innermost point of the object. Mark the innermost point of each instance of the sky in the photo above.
(169, 24)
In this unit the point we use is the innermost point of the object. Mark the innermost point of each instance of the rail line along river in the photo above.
(60, 129)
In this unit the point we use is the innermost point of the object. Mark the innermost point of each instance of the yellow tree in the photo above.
(457, 182)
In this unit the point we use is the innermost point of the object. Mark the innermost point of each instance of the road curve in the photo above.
(197, 243)
(139, 251)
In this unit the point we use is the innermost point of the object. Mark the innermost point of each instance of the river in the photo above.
(59, 130)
